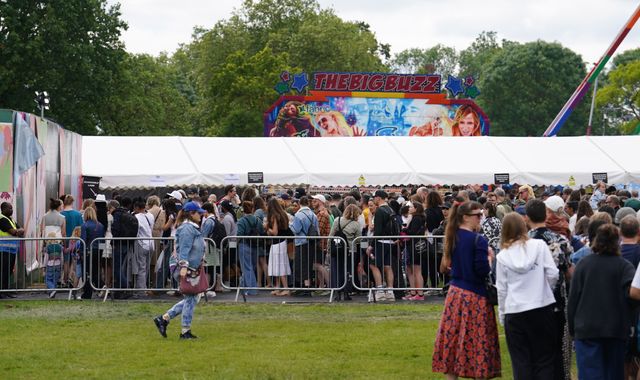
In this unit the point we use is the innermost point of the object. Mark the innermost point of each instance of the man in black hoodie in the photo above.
(124, 225)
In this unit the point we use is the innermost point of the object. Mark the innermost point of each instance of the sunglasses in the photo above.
(478, 214)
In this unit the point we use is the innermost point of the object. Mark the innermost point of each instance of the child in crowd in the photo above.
(53, 258)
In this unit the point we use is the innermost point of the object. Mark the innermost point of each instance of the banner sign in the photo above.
(501, 179)
(366, 82)
(375, 104)
(604, 177)
(255, 177)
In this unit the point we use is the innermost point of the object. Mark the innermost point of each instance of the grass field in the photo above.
(61, 339)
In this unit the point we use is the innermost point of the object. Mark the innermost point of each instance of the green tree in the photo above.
(525, 86)
(474, 58)
(69, 48)
(235, 65)
(146, 100)
(620, 98)
(625, 57)
(437, 59)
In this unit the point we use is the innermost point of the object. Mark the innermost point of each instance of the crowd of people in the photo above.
(545, 249)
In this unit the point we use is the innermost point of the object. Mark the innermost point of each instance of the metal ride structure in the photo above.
(586, 83)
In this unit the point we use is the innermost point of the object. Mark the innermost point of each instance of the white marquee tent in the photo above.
(142, 162)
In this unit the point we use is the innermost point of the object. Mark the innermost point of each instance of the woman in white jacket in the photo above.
(525, 277)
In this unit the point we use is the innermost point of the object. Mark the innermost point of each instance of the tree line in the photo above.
(221, 81)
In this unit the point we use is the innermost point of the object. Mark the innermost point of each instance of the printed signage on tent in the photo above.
(604, 177)
(90, 187)
(375, 104)
(501, 179)
(255, 177)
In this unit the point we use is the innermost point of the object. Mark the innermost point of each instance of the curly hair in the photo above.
(607, 241)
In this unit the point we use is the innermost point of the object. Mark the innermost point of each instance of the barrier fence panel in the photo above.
(398, 267)
(137, 267)
(41, 265)
(284, 265)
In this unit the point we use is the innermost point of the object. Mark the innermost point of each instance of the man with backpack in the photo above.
(124, 225)
(305, 224)
(384, 224)
(324, 227)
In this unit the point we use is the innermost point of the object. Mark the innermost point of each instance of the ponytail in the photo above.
(456, 215)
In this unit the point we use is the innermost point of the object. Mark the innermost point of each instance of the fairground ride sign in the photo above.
(375, 104)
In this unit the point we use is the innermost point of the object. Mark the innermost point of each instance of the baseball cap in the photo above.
(446, 205)
(285, 197)
(191, 190)
(101, 198)
(175, 194)
(320, 197)
(192, 206)
(381, 193)
(555, 203)
(521, 210)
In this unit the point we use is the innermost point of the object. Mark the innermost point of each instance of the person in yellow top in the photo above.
(8, 248)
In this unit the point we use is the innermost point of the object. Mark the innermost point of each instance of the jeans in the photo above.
(248, 257)
(186, 308)
(53, 276)
(601, 359)
(163, 271)
(120, 251)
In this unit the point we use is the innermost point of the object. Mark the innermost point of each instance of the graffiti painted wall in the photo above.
(327, 115)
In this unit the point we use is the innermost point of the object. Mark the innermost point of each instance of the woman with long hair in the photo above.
(584, 209)
(598, 312)
(416, 252)
(348, 225)
(467, 340)
(277, 224)
(525, 277)
(190, 248)
(91, 230)
(466, 122)
(249, 225)
(262, 266)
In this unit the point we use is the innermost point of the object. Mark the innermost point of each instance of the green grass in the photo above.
(61, 339)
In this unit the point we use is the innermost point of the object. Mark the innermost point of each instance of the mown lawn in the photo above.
(55, 340)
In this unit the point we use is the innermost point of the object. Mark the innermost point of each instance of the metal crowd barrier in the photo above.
(387, 267)
(52, 265)
(135, 267)
(272, 263)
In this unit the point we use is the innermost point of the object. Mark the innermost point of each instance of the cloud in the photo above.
(585, 26)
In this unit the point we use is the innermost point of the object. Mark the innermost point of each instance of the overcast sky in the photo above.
(586, 26)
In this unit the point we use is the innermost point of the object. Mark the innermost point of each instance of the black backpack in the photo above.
(393, 226)
(124, 224)
(337, 246)
(218, 233)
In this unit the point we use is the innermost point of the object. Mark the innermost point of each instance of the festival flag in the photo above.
(27, 149)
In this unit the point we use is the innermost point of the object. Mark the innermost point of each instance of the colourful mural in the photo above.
(327, 114)
(374, 104)
(6, 157)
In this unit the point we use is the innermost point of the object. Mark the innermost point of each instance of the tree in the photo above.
(525, 86)
(69, 48)
(146, 100)
(625, 57)
(474, 58)
(237, 63)
(437, 59)
(621, 97)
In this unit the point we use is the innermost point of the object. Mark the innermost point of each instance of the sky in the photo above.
(585, 26)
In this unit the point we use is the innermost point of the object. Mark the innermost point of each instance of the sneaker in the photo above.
(188, 335)
(162, 324)
(52, 295)
(211, 294)
(417, 297)
(380, 295)
(389, 296)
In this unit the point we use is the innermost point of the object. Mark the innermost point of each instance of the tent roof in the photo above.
(182, 161)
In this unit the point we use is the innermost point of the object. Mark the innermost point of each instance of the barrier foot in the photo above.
(238, 294)
(106, 295)
(331, 296)
(70, 294)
